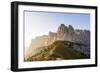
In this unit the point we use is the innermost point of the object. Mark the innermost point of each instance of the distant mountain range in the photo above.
(80, 40)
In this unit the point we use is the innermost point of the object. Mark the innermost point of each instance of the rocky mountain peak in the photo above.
(70, 27)
(62, 26)
(64, 33)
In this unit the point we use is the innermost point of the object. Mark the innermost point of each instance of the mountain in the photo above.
(59, 50)
(70, 34)
(36, 43)
(63, 33)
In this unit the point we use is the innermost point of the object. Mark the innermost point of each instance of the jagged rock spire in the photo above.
(70, 27)
(61, 28)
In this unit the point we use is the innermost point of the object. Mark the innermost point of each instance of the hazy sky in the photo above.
(40, 23)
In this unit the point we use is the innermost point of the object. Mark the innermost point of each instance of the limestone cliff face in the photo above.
(64, 33)
(70, 34)
(52, 37)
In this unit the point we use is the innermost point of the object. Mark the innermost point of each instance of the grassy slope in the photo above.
(58, 50)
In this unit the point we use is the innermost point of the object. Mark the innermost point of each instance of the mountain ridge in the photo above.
(59, 50)
(63, 33)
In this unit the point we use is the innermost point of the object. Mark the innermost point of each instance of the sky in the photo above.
(41, 23)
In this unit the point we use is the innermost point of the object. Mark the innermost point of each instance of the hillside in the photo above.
(58, 50)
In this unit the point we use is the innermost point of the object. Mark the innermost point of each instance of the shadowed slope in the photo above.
(59, 50)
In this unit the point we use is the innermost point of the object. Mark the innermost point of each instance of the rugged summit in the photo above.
(64, 33)
(70, 34)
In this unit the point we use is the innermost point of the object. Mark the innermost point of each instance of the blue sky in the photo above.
(41, 23)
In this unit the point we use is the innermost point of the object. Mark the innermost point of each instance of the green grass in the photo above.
(59, 49)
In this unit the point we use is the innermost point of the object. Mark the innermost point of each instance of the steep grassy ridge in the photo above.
(59, 50)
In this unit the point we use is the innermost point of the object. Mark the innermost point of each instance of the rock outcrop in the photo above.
(64, 33)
